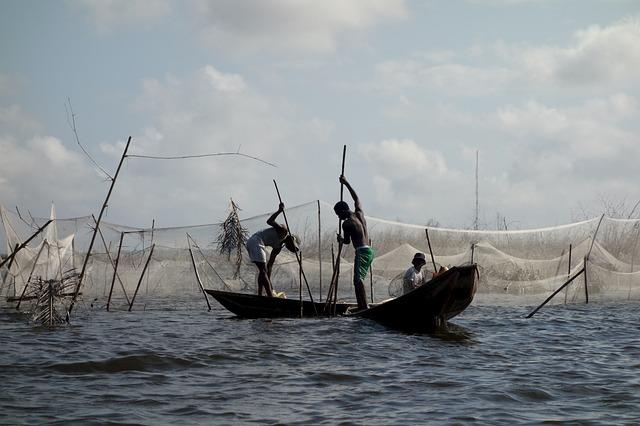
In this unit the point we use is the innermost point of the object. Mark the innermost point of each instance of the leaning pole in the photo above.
(95, 231)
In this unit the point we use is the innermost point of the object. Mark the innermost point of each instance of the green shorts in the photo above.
(362, 262)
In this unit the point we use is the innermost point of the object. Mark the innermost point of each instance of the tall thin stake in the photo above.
(95, 232)
(113, 264)
(371, 275)
(336, 267)
(33, 268)
(298, 257)
(195, 269)
(115, 274)
(319, 252)
(568, 273)
(586, 286)
(426, 231)
(141, 277)
(23, 245)
(556, 292)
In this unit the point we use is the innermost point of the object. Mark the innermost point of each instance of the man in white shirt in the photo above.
(413, 277)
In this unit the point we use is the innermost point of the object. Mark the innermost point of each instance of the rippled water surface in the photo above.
(576, 364)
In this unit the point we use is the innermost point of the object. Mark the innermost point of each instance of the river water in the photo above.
(569, 364)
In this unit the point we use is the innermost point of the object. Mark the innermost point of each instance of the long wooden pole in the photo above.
(23, 245)
(115, 274)
(371, 275)
(95, 232)
(33, 268)
(426, 231)
(113, 265)
(568, 273)
(195, 269)
(141, 277)
(300, 293)
(319, 252)
(4, 281)
(556, 292)
(586, 286)
(336, 268)
(298, 257)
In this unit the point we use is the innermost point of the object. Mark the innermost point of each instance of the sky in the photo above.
(545, 91)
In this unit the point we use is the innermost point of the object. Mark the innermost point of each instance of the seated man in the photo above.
(275, 237)
(413, 277)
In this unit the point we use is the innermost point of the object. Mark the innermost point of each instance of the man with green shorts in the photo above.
(355, 230)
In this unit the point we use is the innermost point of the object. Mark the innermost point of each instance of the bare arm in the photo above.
(282, 230)
(272, 259)
(356, 200)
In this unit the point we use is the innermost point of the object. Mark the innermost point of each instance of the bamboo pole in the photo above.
(435, 271)
(371, 275)
(115, 274)
(195, 269)
(33, 268)
(4, 281)
(586, 287)
(95, 232)
(23, 245)
(300, 293)
(568, 273)
(209, 263)
(298, 255)
(319, 252)
(336, 267)
(473, 248)
(556, 292)
(113, 265)
(141, 276)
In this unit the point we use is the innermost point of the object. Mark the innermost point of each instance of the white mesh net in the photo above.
(522, 267)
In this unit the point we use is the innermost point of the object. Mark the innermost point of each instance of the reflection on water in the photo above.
(576, 364)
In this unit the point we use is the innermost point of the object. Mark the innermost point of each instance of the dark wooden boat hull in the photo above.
(254, 306)
(430, 305)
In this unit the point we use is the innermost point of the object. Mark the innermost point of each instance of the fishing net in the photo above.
(168, 267)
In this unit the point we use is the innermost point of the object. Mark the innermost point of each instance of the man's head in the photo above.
(292, 243)
(419, 260)
(342, 210)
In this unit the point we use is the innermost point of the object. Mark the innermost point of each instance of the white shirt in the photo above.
(412, 279)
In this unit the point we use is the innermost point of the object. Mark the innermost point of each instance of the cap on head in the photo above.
(341, 206)
(292, 242)
(419, 257)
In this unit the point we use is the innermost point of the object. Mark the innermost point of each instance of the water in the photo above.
(569, 364)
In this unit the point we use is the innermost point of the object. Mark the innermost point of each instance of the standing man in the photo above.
(413, 277)
(355, 230)
(275, 237)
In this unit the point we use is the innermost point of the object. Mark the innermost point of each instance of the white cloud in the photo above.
(404, 158)
(276, 25)
(15, 122)
(110, 14)
(599, 55)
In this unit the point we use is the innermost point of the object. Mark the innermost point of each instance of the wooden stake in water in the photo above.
(298, 256)
(319, 252)
(23, 245)
(195, 269)
(115, 274)
(95, 232)
(141, 277)
(556, 292)
(435, 271)
(113, 265)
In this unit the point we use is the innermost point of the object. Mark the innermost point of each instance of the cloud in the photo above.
(599, 55)
(282, 25)
(108, 15)
(15, 122)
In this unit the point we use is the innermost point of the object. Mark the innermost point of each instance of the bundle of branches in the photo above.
(49, 295)
(232, 237)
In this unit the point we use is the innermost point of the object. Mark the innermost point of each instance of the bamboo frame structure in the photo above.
(115, 274)
(141, 277)
(33, 268)
(195, 269)
(95, 232)
(298, 254)
(23, 245)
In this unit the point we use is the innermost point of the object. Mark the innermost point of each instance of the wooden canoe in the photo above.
(254, 306)
(429, 305)
(422, 309)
